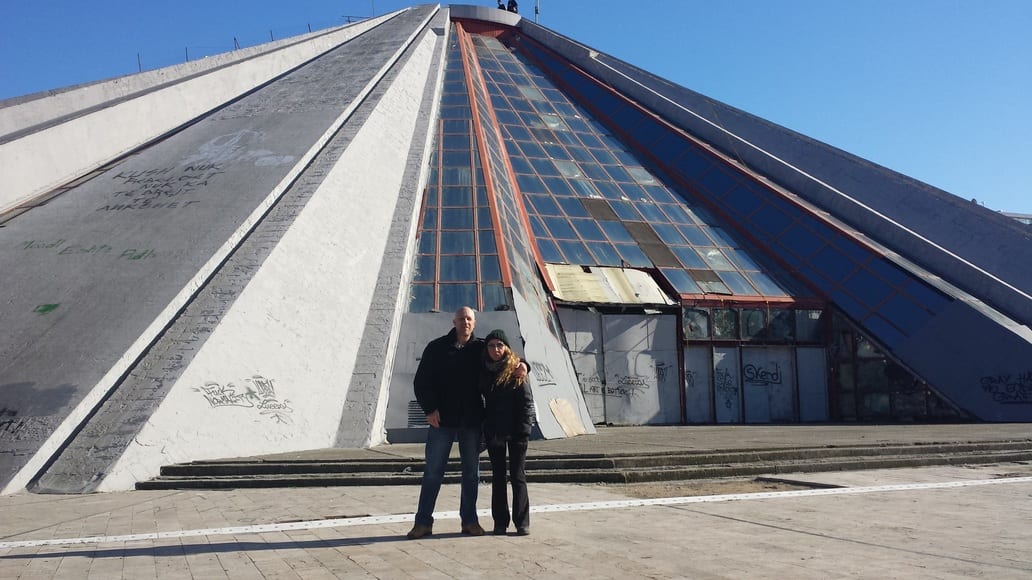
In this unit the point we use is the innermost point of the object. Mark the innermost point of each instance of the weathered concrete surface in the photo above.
(50, 140)
(106, 267)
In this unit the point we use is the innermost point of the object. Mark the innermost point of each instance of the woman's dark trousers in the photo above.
(518, 478)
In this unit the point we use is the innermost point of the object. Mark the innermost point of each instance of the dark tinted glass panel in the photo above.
(457, 218)
(455, 296)
(422, 298)
(426, 268)
(576, 253)
(781, 326)
(489, 268)
(809, 326)
(696, 323)
(681, 281)
(457, 242)
(754, 323)
(494, 297)
(633, 255)
(428, 243)
(549, 251)
(725, 323)
(458, 268)
(487, 242)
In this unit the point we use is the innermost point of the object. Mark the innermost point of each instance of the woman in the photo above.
(507, 421)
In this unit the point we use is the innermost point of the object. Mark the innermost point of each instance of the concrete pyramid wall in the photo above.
(207, 290)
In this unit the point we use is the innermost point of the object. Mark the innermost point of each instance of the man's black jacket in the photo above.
(447, 381)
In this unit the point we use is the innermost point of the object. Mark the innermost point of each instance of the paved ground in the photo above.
(948, 522)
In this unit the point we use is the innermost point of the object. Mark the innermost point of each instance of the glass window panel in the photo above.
(484, 217)
(696, 323)
(589, 230)
(560, 228)
(532, 93)
(689, 257)
(422, 298)
(604, 157)
(576, 253)
(651, 212)
(616, 232)
(457, 176)
(568, 168)
(455, 158)
(737, 283)
(634, 191)
(550, 251)
(641, 175)
(741, 259)
(663, 195)
(573, 207)
(458, 141)
(610, 191)
(554, 122)
(430, 219)
(458, 268)
(544, 167)
(714, 287)
(681, 281)
(781, 326)
(668, 233)
(428, 243)
(545, 205)
(532, 149)
(490, 270)
(457, 242)
(725, 323)
(633, 255)
(538, 227)
(455, 296)
(754, 323)
(583, 187)
(521, 165)
(487, 241)
(618, 173)
(715, 259)
(625, 210)
(556, 151)
(558, 186)
(594, 171)
(696, 236)
(766, 285)
(494, 297)
(457, 196)
(530, 183)
(426, 269)
(809, 326)
(722, 238)
(605, 254)
(452, 126)
(457, 218)
(518, 132)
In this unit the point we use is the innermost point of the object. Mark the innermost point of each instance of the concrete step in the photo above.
(595, 469)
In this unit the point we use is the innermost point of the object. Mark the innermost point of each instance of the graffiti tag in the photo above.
(1009, 389)
(259, 394)
(758, 375)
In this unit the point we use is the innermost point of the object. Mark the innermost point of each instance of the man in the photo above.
(446, 388)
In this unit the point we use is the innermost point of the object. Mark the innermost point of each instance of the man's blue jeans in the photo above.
(438, 446)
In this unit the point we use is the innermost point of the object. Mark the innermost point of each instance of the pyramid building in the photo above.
(246, 255)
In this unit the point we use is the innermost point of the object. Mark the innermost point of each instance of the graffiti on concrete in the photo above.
(63, 247)
(258, 394)
(726, 387)
(160, 188)
(543, 375)
(629, 386)
(591, 384)
(662, 370)
(762, 376)
(15, 428)
(1009, 389)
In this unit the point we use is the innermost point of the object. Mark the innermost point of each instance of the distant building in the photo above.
(246, 255)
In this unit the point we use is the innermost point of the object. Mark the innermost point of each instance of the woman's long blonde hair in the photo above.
(505, 377)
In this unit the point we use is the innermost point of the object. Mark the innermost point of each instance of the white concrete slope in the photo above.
(50, 140)
(273, 375)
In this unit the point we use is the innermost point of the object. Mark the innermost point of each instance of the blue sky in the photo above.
(940, 90)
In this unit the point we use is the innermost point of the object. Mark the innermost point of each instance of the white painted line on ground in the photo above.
(454, 515)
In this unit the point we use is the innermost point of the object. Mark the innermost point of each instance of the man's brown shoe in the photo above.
(418, 531)
(473, 529)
